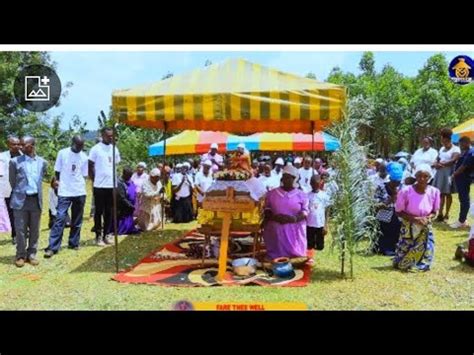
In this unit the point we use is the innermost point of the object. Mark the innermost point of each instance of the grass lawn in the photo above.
(80, 280)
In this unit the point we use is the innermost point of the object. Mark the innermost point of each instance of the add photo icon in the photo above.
(37, 88)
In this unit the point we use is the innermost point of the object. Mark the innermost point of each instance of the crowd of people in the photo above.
(412, 194)
(299, 192)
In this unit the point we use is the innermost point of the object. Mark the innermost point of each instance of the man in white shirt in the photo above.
(216, 159)
(297, 162)
(278, 169)
(182, 185)
(267, 179)
(305, 173)
(203, 181)
(71, 170)
(101, 173)
(5, 188)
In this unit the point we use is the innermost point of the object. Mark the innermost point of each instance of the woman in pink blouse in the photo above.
(416, 205)
(286, 208)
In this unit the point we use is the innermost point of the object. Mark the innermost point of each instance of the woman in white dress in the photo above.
(425, 155)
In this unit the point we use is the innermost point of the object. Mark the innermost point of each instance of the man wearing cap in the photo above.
(216, 159)
(203, 181)
(149, 215)
(278, 168)
(284, 226)
(297, 163)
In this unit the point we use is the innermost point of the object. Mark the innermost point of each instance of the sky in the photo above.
(96, 74)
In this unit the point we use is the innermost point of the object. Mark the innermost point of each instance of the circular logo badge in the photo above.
(461, 70)
(37, 88)
(183, 306)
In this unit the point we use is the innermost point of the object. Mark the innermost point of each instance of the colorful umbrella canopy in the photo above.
(234, 96)
(464, 129)
(199, 142)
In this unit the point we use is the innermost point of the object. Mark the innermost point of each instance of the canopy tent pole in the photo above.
(164, 163)
(114, 193)
(312, 145)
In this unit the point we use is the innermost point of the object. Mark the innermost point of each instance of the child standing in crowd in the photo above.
(317, 220)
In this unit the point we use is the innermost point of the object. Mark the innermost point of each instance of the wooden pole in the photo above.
(114, 192)
(226, 221)
(312, 145)
(164, 163)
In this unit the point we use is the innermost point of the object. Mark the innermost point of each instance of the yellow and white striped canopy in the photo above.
(234, 96)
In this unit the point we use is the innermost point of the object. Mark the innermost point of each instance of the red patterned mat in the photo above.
(170, 265)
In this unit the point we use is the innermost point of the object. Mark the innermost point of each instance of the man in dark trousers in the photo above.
(101, 173)
(26, 174)
(71, 169)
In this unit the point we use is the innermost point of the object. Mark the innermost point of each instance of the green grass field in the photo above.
(81, 280)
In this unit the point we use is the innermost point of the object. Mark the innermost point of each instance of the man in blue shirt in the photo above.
(26, 175)
(462, 178)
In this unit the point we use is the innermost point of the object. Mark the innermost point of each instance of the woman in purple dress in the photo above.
(126, 200)
(286, 208)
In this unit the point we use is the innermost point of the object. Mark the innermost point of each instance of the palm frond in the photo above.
(353, 205)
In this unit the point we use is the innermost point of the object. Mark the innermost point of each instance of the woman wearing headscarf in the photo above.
(284, 227)
(417, 205)
(126, 202)
(149, 216)
(138, 178)
(386, 196)
(448, 155)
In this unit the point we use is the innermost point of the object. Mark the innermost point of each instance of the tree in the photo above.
(133, 144)
(367, 64)
(311, 75)
(438, 102)
(395, 111)
(14, 119)
(167, 75)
